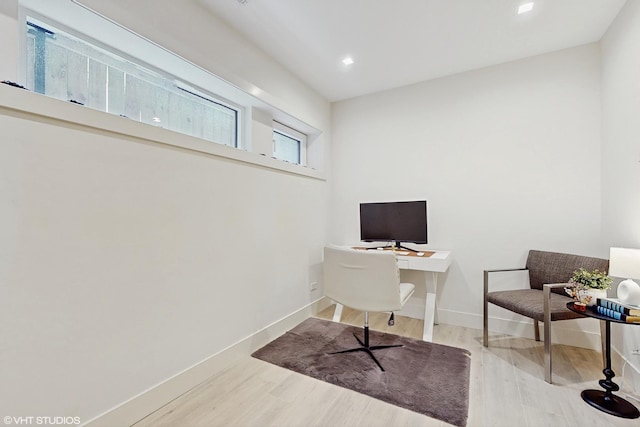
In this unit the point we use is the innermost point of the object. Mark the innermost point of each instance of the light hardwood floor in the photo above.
(506, 389)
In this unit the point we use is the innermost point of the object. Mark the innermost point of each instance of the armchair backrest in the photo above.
(363, 280)
(553, 267)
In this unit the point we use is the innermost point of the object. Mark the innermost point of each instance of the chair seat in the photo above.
(406, 290)
(530, 303)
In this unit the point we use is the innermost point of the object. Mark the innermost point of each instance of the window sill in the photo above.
(16, 101)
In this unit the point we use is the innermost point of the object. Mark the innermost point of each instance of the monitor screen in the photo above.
(394, 221)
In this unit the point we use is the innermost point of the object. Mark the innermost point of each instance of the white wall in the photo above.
(9, 37)
(124, 262)
(508, 158)
(621, 150)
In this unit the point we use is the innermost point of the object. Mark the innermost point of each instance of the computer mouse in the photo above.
(420, 254)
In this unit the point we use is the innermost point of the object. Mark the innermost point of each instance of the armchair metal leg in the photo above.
(546, 289)
(547, 352)
(485, 319)
(536, 330)
(547, 334)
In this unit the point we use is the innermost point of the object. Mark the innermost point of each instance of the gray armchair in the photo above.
(546, 300)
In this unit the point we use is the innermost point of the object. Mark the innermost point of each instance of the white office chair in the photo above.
(365, 281)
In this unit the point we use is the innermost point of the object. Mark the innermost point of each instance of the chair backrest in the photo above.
(553, 267)
(363, 280)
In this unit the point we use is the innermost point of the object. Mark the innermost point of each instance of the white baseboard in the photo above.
(566, 332)
(583, 333)
(627, 375)
(138, 407)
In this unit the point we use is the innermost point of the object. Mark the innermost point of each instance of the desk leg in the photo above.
(430, 308)
(606, 401)
(337, 314)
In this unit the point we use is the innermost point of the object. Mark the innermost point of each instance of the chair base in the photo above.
(365, 347)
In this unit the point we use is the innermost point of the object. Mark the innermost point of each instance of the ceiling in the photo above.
(400, 42)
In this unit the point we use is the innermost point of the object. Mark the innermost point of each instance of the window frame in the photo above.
(295, 135)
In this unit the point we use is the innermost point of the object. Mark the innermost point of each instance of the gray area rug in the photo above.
(427, 378)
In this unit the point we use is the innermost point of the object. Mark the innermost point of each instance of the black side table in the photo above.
(605, 400)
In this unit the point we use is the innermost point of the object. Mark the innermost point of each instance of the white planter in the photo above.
(589, 296)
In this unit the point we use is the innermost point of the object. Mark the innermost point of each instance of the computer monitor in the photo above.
(394, 221)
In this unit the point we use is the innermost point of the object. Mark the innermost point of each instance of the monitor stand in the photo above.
(397, 246)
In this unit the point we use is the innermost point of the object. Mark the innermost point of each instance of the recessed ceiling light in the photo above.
(524, 8)
(347, 61)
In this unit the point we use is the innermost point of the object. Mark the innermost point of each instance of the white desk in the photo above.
(439, 262)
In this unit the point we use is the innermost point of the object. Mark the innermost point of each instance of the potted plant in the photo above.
(586, 286)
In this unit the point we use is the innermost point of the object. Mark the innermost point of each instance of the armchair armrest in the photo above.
(548, 286)
(546, 289)
(487, 272)
(506, 269)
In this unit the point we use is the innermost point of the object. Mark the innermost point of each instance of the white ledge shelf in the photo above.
(17, 101)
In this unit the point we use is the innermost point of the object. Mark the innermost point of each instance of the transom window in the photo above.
(289, 144)
(65, 67)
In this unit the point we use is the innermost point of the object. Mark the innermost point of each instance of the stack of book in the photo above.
(612, 307)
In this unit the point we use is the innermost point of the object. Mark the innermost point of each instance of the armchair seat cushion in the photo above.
(530, 303)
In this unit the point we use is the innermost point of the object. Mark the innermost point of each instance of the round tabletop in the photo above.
(591, 312)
